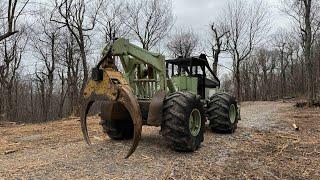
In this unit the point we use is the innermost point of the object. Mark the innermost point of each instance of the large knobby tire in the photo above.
(183, 121)
(222, 113)
(117, 128)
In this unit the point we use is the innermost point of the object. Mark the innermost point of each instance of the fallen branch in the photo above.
(288, 137)
(9, 152)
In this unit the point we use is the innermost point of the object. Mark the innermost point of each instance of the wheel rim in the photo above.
(195, 122)
(232, 113)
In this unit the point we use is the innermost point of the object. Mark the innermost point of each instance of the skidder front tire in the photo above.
(119, 126)
(183, 121)
(223, 113)
(117, 130)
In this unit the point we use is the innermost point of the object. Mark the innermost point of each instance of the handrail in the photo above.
(146, 80)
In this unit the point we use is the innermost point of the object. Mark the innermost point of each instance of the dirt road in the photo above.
(264, 146)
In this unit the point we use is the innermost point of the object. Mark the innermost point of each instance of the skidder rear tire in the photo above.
(183, 121)
(223, 113)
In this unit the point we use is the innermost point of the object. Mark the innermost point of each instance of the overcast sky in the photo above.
(197, 14)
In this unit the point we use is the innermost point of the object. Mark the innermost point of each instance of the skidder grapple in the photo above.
(178, 95)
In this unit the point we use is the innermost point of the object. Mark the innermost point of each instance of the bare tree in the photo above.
(317, 58)
(40, 79)
(274, 73)
(11, 52)
(112, 20)
(13, 12)
(281, 43)
(246, 78)
(183, 43)
(71, 61)
(267, 62)
(306, 14)
(79, 18)
(63, 92)
(149, 20)
(246, 24)
(219, 44)
(45, 44)
(292, 51)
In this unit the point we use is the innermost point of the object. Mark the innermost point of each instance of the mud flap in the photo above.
(156, 108)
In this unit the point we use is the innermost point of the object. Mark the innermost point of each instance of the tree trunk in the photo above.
(238, 81)
(292, 83)
(307, 53)
(15, 104)
(283, 83)
(49, 95)
(265, 86)
(85, 70)
(31, 100)
(62, 95)
(215, 63)
(42, 91)
(303, 79)
(283, 74)
(318, 80)
(255, 86)
(76, 110)
(9, 104)
(1, 102)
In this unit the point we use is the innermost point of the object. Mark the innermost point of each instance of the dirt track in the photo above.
(264, 146)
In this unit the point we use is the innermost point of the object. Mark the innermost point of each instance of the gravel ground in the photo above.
(265, 146)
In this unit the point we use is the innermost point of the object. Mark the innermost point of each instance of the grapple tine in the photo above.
(130, 102)
(83, 120)
(128, 99)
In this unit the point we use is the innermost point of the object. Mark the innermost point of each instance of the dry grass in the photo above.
(264, 146)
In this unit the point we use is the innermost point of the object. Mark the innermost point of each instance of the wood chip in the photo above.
(295, 127)
(98, 138)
